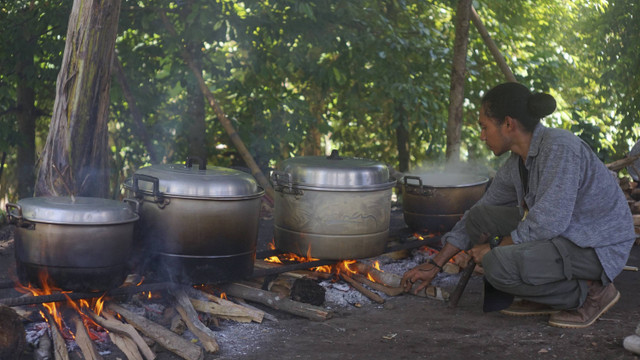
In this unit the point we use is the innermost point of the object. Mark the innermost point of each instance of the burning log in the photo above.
(59, 346)
(296, 274)
(224, 308)
(123, 330)
(274, 301)
(395, 291)
(364, 291)
(167, 339)
(83, 340)
(190, 317)
(393, 281)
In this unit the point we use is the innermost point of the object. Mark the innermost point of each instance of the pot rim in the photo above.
(481, 179)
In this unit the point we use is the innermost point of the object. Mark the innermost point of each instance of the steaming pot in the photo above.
(435, 201)
(332, 207)
(198, 224)
(83, 243)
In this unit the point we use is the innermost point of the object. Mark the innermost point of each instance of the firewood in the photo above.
(393, 280)
(254, 314)
(377, 286)
(86, 345)
(126, 345)
(636, 219)
(272, 300)
(364, 291)
(59, 346)
(208, 342)
(621, 163)
(190, 317)
(167, 339)
(235, 313)
(112, 324)
(261, 264)
(451, 268)
(630, 268)
(177, 324)
(43, 351)
(266, 315)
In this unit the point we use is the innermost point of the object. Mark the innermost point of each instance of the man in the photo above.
(553, 228)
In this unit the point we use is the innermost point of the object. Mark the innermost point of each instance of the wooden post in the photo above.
(493, 48)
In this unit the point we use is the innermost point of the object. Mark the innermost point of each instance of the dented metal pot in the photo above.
(332, 207)
(80, 243)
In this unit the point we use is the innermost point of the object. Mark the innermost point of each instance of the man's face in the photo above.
(492, 134)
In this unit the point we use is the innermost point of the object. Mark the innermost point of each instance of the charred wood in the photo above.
(277, 302)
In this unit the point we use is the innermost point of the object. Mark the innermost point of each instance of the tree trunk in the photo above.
(195, 117)
(75, 156)
(456, 96)
(26, 116)
(402, 141)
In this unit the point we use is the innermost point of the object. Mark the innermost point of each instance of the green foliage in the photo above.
(350, 73)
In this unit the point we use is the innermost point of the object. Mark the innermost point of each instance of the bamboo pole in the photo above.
(226, 124)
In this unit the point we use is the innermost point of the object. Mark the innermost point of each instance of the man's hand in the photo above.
(423, 273)
(477, 252)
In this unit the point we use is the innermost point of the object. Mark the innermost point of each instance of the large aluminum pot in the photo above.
(197, 224)
(435, 201)
(332, 207)
(82, 243)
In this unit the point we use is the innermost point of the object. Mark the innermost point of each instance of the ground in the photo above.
(409, 327)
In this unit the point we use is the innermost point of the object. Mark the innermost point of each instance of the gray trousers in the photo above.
(553, 272)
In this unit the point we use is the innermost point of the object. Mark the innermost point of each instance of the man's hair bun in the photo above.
(541, 104)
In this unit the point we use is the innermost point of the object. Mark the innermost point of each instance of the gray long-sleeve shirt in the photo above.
(571, 194)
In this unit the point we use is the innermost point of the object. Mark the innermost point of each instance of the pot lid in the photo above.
(184, 180)
(74, 211)
(334, 172)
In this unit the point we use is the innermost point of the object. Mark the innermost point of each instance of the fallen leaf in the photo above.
(390, 336)
(543, 351)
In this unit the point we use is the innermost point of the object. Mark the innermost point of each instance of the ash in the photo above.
(341, 294)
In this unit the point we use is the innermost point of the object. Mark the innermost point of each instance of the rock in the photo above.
(632, 343)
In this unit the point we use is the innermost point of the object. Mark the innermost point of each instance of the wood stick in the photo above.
(87, 347)
(621, 163)
(267, 316)
(393, 281)
(233, 309)
(208, 342)
(378, 286)
(190, 317)
(224, 312)
(167, 339)
(261, 264)
(364, 291)
(126, 345)
(113, 325)
(493, 48)
(43, 351)
(224, 121)
(274, 301)
(59, 346)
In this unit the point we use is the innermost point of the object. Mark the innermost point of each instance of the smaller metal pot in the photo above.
(81, 243)
(436, 201)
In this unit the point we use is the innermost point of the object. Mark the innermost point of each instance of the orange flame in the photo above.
(47, 288)
(223, 296)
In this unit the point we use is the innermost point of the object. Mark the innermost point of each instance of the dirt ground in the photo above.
(409, 327)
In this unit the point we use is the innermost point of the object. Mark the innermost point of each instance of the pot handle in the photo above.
(153, 180)
(14, 219)
(135, 202)
(201, 164)
(275, 178)
(410, 177)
